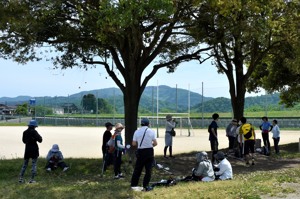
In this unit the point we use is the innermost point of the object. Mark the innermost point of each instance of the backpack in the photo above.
(247, 130)
(112, 143)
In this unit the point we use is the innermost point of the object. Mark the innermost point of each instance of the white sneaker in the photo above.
(65, 169)
(21, 180)
(48, 169)
(117, 177)
(137, 188)
(32, 181)
(121, 175)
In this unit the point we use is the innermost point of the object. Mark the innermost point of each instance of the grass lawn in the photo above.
(84, 179)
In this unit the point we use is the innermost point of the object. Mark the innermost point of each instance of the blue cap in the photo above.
(145, 122)
(33, 123)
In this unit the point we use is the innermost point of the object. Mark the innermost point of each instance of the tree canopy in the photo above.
(243, 35)
(135, 34)
(244, 39)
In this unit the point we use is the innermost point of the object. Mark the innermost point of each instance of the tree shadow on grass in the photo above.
(183, 164)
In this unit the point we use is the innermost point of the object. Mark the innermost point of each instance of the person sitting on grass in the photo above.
(204, 170)
(223, 170)
(55, 159)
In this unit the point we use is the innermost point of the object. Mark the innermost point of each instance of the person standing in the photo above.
(248, 134)
(30, 139)
(119, 148)
(276, 135)
(213, 136)
(107, 157)
(170, 124)
(240, 143)
(231, 134)
(145, 139)
(265, 128)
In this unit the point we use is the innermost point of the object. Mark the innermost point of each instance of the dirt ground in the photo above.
(86, 142)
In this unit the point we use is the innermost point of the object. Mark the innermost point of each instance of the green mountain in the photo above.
(169, 100)
(257, 103)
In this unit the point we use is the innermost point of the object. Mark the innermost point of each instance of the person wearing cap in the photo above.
(213, 135)
(170, 124)
(231, 134)
(107, 157)
(204, 170)
(30, 139)
(106, 136)
(119, 148)
(55, 159)
(223, 170)
(144, 139)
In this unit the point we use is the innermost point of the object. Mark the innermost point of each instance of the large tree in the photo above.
(242, 34)
(280, 70)
(88, 102)
(135, 34)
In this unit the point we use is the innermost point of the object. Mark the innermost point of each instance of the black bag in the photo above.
(172, 132)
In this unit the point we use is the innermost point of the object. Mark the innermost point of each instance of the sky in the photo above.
(38, 79)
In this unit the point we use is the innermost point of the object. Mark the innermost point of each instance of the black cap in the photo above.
(108, 124)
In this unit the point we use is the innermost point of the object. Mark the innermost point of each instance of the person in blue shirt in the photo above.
(265, 128)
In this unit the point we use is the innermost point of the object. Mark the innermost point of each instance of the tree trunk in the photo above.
(237, 93)
(238, 104)
(131, 103)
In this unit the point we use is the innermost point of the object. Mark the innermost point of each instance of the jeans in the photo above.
(265, 137)
(33, 169)
(276, 142)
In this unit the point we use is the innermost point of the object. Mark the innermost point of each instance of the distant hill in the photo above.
(170, 100)
(222, 104)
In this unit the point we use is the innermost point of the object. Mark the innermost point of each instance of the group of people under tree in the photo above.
(242, 136)
(144, 139)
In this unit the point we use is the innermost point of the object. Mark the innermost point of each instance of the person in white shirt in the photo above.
(276, 136)
(145, 139)
(223, 170)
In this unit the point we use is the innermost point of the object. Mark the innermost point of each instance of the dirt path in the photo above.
(86, 142)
